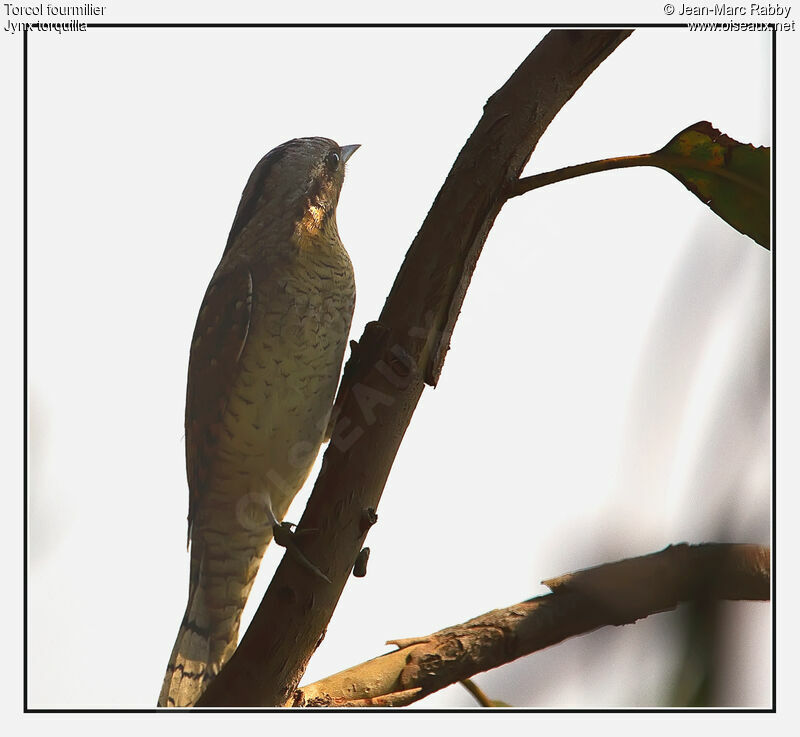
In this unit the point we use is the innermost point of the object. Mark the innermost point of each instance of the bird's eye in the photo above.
(332, 161)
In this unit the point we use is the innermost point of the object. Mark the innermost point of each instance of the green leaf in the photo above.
(732, 178)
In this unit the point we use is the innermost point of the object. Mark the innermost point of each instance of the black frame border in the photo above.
(514, 710)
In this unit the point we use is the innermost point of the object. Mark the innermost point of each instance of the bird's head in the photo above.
(295, 187)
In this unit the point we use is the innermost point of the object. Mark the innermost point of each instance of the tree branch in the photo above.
(526, 184)
(395, 357)
(610, 594)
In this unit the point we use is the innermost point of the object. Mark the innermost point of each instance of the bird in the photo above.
(264, 365)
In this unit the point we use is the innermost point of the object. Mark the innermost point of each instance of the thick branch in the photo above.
(430, 287)
(610, 594)
(386, 372)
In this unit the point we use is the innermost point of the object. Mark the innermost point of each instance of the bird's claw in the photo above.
(283, 535)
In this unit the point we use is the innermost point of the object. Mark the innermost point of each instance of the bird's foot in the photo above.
(283, 535)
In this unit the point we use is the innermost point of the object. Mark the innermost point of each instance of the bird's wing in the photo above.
(220, 336)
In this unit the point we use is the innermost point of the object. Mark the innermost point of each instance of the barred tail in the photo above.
(190, 666)
(220, 584)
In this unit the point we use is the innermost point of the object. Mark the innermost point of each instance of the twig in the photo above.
(475, 690)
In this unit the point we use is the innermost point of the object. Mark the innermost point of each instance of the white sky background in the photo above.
(606, 392)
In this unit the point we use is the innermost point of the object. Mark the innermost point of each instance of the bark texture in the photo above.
(610, 594)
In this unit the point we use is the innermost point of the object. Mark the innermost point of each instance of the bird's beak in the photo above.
(348, 151)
